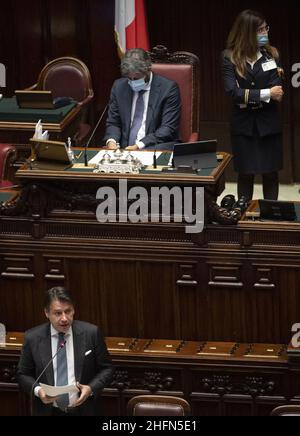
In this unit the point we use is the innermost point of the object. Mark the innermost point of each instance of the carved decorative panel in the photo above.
(54, 269)
(225, 276)
(187, 275)
(8, 372)
(17, 267)
(248, 385)
(263, 277)
(152, 380)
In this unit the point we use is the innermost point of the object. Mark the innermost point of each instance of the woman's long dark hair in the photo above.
(242, 40)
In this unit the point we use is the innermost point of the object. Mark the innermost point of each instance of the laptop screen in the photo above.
(277, 210)
(197, 155)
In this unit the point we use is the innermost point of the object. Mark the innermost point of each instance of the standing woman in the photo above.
(253, 78)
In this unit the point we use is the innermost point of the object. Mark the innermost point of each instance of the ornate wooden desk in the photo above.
(236, 284)
(216, 378)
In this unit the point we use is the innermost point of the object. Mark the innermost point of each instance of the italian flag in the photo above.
(130, 25)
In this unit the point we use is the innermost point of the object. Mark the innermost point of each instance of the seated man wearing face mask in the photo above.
(144, 109)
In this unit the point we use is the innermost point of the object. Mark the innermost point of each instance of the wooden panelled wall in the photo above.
(37, 31)
(149, 281)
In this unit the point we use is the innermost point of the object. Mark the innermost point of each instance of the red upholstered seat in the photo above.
(7, 154)
(183, 68)
(6, 184)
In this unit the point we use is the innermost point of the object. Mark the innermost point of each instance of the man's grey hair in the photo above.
(135, 60)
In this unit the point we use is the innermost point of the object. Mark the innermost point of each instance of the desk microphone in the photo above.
(60, 347)
(92, 135)
(154, 164)
(154, 159)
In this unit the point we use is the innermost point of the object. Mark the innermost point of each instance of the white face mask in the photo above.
(262, 40)
(137, 85)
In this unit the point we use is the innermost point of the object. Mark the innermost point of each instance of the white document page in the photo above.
(54, 391)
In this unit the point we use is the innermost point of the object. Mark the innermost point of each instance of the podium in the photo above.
(76, 187)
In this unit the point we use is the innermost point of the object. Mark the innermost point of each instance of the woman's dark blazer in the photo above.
(246, 91)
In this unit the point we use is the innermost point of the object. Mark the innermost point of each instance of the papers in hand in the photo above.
(54, 391)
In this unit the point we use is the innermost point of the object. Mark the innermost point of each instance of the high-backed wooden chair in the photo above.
(184, 68)
(69, 77)
(288, 410)
(158, 405)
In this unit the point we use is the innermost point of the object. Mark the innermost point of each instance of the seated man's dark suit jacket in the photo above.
(94, 369)
(163, 115)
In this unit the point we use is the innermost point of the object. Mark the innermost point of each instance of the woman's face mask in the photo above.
(262, 40)
(137, 85)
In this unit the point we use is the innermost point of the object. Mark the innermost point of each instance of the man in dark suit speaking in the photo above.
(144, 108)
(60, 353)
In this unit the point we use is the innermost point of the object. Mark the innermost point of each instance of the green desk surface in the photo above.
(162, 160)
(5, 196)
(10, 111)
(297, 210)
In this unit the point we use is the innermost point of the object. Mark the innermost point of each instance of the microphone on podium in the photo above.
(154, 163)
(92, 135)
(154, 159)
(60, 347)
